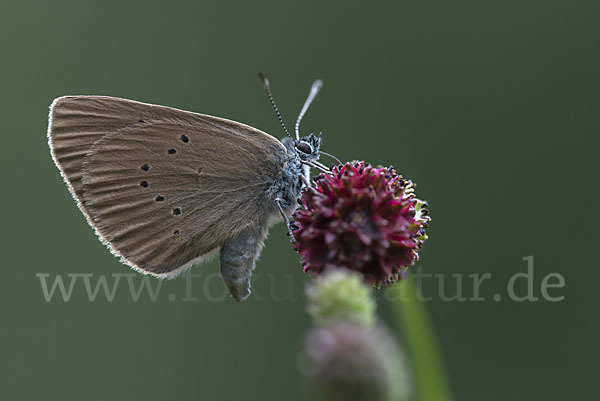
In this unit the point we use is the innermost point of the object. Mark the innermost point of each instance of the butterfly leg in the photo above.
(238, 259)
(306, 181)
(286, 219)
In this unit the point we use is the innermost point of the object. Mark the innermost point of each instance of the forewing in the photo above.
(161, 186)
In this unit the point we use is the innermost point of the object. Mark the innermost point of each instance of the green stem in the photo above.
(431, 383)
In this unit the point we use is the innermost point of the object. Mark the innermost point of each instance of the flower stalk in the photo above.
(349, 355)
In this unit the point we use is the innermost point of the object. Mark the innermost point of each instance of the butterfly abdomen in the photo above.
(238, 259)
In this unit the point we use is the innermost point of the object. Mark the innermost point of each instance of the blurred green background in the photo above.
(490, 106)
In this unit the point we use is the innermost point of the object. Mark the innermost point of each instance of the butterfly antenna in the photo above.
(268, 90)
(315, 88)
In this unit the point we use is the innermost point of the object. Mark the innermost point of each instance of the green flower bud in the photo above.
(341, 295)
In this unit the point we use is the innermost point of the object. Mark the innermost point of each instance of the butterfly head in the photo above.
(307, 148)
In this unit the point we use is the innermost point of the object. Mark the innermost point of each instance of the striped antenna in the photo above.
(268, 90)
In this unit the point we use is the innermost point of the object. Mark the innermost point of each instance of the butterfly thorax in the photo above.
(295, 172)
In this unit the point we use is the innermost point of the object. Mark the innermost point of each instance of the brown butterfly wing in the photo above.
(161, 186)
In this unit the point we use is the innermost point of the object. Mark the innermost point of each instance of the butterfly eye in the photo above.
(304, 147)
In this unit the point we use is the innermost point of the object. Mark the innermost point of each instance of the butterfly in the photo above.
(166, 189)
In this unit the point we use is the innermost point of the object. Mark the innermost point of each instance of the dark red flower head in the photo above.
(361, 218)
